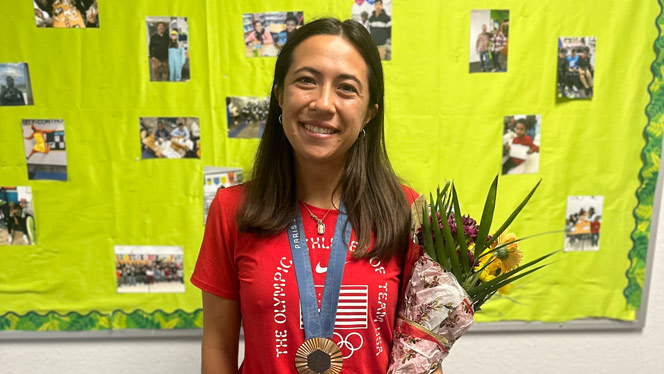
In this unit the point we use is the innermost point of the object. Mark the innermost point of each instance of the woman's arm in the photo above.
(221, 334)
(267, 37)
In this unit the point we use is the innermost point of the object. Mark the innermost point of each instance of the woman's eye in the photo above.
(306, 80)
(349, 88)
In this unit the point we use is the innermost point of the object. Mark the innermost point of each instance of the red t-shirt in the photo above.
(259, 273)
(524, 140)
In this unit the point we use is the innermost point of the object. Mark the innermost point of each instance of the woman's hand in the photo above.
(221, 334)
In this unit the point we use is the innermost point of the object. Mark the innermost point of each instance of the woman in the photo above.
(176, 57)
(259, 35)
(322, 155)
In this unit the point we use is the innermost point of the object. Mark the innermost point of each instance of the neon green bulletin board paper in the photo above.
(441, 123)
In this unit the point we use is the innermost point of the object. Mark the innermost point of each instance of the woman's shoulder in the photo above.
(411, 194)
(229, 198)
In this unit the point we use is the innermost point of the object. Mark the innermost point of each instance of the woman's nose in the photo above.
(324, 101)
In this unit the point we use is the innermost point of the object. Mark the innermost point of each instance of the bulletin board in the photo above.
(447, 118)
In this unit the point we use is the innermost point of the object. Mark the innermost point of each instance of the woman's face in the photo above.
(258, 27)
(325, 99)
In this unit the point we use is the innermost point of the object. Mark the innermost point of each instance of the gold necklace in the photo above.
(320, 226)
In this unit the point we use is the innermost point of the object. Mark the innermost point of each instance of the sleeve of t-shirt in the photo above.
(267, 38)
(411, 195)
(215, 270)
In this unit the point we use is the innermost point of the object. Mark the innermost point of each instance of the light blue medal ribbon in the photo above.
(319, 323)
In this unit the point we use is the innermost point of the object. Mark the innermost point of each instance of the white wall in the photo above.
(596, 352)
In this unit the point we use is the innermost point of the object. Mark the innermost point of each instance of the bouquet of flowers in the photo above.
(454, 268)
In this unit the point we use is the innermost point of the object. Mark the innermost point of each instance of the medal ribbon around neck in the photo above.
(319, 323)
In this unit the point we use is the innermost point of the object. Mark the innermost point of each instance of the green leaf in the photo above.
(440, 246)
(486, 286)
(487, 218)
(477, 304)
(461, 236)
(518, 240)
(513, 215)
(426, 233)
(450, 248)
(504, 282)
(473, 280)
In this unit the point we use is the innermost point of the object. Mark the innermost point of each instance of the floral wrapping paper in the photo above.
(435, 311)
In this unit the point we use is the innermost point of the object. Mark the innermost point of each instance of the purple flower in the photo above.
(471, 258)
(470, 227)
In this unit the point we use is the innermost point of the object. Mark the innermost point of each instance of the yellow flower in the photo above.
(510, 256)
(492, 270)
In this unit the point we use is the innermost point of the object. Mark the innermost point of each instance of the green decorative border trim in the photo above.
(651, 156)
(97, 321)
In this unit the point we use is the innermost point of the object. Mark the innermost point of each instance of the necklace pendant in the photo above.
(320, 228)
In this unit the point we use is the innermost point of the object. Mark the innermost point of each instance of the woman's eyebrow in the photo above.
(318, 73)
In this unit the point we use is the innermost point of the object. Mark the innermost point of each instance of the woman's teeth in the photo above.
(318, 130)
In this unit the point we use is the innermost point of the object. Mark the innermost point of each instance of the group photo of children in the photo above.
(170, 137)
(376, 16)
(15, 87)
(66, 13)
(489, 35)
(168, 49)
(246, 116)
(583, 222)
(17, 217)
(266, 33)
(45, 148)
(576, 67)
(145, 269)
(521, 144)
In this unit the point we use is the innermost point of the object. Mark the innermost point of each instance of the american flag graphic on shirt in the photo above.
(353, 308)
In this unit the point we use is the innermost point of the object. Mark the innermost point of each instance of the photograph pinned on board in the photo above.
(576, 67)
(489, 35)
(376, 17)
(60, 14)
(17, 216)
(45, 148)
(266, 33)
(216, 178)
(170, 137)
(583, 219)
(246, 116)
(149, 269)
(15, 87)
(168, 49)
(521, 144)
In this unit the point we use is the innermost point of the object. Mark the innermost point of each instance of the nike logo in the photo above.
(321, 270)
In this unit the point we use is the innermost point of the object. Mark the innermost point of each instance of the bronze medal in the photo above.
(318, 356)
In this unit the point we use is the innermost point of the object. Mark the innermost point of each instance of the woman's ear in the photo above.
(279, 95)
(371, 112)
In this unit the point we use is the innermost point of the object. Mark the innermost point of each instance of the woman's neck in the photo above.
(317, 184)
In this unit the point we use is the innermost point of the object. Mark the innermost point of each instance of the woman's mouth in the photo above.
(318, 129)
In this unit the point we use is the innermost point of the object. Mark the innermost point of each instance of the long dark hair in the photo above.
(371, 192)
(259, 35)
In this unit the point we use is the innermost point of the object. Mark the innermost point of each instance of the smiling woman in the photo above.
(321, 178)
(325, 103)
